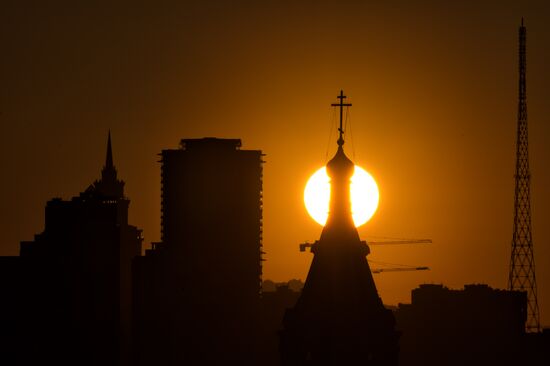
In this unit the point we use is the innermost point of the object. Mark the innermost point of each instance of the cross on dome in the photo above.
(341, 105)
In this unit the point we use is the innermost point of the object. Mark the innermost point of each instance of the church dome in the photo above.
(340, 166)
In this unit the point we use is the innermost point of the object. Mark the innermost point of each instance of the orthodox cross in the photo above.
(341, 105)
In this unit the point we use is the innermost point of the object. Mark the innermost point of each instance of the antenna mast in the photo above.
(522, 263)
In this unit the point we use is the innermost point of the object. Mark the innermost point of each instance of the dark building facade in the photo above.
(197, 292)
(274, 302)
(73, 281)
(212, 214)
(476, 325)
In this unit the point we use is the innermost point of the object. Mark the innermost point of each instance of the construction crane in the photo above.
(389, 241)
(396, 267)
(399, 269)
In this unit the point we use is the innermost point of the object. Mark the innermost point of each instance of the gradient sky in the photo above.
(433, 87)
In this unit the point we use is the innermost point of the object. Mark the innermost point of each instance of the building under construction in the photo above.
(211, 215)
(197, 292)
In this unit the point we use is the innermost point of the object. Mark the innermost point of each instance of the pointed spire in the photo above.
(109, 158)
(340, 169)
(109, 173)
(109, 185)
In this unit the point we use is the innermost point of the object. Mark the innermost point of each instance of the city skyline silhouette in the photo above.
(195, 298)
(434, 88)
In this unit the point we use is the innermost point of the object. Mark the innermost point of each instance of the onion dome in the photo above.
(340, 166)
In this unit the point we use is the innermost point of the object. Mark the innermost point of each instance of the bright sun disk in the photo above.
(363, 192)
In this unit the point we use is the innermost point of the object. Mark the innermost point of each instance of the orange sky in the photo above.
(433, 87)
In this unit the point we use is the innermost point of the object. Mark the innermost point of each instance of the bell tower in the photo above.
(339, 318)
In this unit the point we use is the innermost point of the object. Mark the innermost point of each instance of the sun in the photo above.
(364, 196)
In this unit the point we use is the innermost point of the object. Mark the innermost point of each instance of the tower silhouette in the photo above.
(522, 262)
(76, 279)
(339, 318)
(109, 185)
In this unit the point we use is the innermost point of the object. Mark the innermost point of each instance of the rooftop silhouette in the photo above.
(70, 290)
(339, 317)
(476, 325)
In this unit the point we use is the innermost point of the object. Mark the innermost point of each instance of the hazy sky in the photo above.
(433, 86)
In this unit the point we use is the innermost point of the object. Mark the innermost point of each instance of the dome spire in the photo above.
(340, 170)
(340, 141)
(109, 158)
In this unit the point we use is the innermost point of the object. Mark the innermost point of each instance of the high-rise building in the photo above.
(197, 292)
(74, 278)
(212, 215)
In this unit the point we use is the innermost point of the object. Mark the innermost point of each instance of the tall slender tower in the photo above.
(339, 318)
(522, 262)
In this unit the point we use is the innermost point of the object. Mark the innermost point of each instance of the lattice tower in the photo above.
(522, 262)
